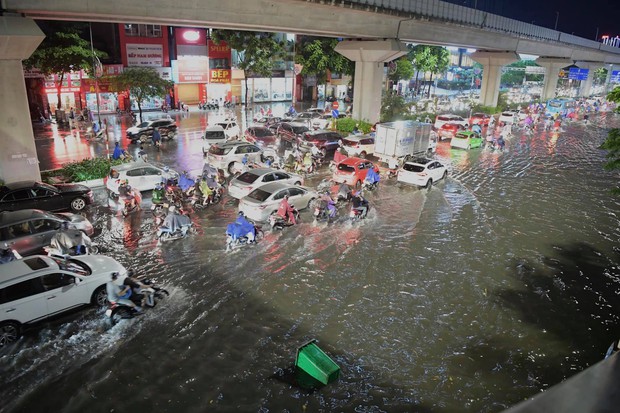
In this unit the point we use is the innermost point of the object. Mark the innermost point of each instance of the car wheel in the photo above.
(259, 235)
(297, 183)
(429, 184)
(78, 204)
(445, 175)
(143, 138)
(363, 155)
(100, 297)
(310, 203)
(170, 134)
(9, 333)
(231, 167)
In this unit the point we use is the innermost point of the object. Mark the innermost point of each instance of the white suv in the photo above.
(38, 287)
(224, 155)
(231, 128)
(140, 175)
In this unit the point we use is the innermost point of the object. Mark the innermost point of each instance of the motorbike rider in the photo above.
(8, 254)
(158, 193)
(120, 293)
(344, 192)
(501, 143)
(476, 129)
(156, 137)
(245, 226)
(315, 151)
(175, 221)
(393, 165)
(307, 162)
(372, 177)
(360, 203)
(285, 211)
(127, 194)
(206, 190)
(330, 203)
(66, 239)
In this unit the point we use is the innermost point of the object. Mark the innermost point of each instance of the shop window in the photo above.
(143, 30)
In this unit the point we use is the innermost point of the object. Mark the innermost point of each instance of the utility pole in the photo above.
(557, 17)
(596, 36)
(95, 70)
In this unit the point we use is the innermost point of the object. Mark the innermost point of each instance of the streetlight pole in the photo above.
(557, 17)
(95, 68)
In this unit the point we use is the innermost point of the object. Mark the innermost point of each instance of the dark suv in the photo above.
(144, 131)
(291, 131)
(325, 140)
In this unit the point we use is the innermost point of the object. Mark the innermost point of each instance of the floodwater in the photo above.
(492, 286)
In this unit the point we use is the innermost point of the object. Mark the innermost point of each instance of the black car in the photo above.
(144, 131)
(38, 195)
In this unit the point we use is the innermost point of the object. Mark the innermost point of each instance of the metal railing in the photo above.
(452, 13)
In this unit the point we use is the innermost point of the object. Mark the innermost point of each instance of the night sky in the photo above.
(580, 18)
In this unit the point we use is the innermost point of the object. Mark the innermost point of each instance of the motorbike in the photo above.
(127, 207)
(146, 295)
(165, 233)
(322, 213)
(279, 223)
(60, 252)
(356, 214)
(243, 241)
(215, 198)
(370, 186)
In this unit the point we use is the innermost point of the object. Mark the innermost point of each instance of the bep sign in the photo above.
(615, 76)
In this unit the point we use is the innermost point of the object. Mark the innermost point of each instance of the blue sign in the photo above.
(335, 113)
(615, 76)
(576, 73)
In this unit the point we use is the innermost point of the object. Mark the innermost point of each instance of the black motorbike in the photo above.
(145, 295)
(278, 223)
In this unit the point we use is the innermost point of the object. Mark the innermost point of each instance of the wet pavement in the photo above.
(494, 285)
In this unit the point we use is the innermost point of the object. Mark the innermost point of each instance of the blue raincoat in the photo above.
(186, 182)
(118, 152)
(372, 176)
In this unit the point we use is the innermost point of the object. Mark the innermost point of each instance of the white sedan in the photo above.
(256, 178)
(263, 201)
(422, 172)
(140, 175)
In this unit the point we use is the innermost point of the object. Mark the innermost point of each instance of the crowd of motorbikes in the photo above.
(214, 104)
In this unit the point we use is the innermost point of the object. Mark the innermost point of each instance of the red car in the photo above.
(448, 130)
(352, 171)
(260, 135)
(481, 119)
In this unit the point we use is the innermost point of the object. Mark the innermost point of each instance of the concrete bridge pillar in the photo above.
(19, 38)
(585, 88)
(608, 85)
(492, 63)
(552, 66)
(369, 56)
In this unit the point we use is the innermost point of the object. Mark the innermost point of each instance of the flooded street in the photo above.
(494, 285)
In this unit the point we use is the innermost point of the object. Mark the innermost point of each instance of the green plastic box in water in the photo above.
(312, 360)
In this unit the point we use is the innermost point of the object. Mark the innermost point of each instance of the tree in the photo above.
(62, 51)
(258, 51)
(142, 83)
(404, 70)
(612, 143)
(433, 59)
(317, 55)
(393, 107)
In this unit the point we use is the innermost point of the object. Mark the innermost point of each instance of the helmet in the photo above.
(115, 275)
(172, 209)
(4, 246)
(286, 196)
(241, 214)
(64, 225)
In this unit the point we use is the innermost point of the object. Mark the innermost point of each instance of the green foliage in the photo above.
(317, 55)
(62, 51)
(612, 143)
(404, 70)
(86, 169)
(346, 125)
(600, 75)
(394, 107)
(142, 83)
(257, 50)
(433, 59)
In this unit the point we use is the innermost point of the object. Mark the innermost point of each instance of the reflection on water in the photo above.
(494, 285)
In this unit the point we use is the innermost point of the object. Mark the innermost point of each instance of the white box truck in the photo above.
(402, 138)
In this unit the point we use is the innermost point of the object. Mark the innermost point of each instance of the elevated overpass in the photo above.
(375, 31)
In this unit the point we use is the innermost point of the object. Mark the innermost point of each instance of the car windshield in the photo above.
(461, 136)
(143, 125)
(259, 195)
(217, 150)
(413, 167)
(345, 168)
(74, 266)
(247, 177)
(214, 135)
(507, 114)
(262, 133)
(349, 142)
(300, 129)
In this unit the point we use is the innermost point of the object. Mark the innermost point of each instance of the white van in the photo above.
(38, 287)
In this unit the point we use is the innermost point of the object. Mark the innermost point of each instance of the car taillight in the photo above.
(105, 180)
(262, 206)
(422, 173)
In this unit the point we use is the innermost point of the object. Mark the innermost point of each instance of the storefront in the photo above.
(191, 68)
(108, 97)
(261, 89)
(69, 91)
